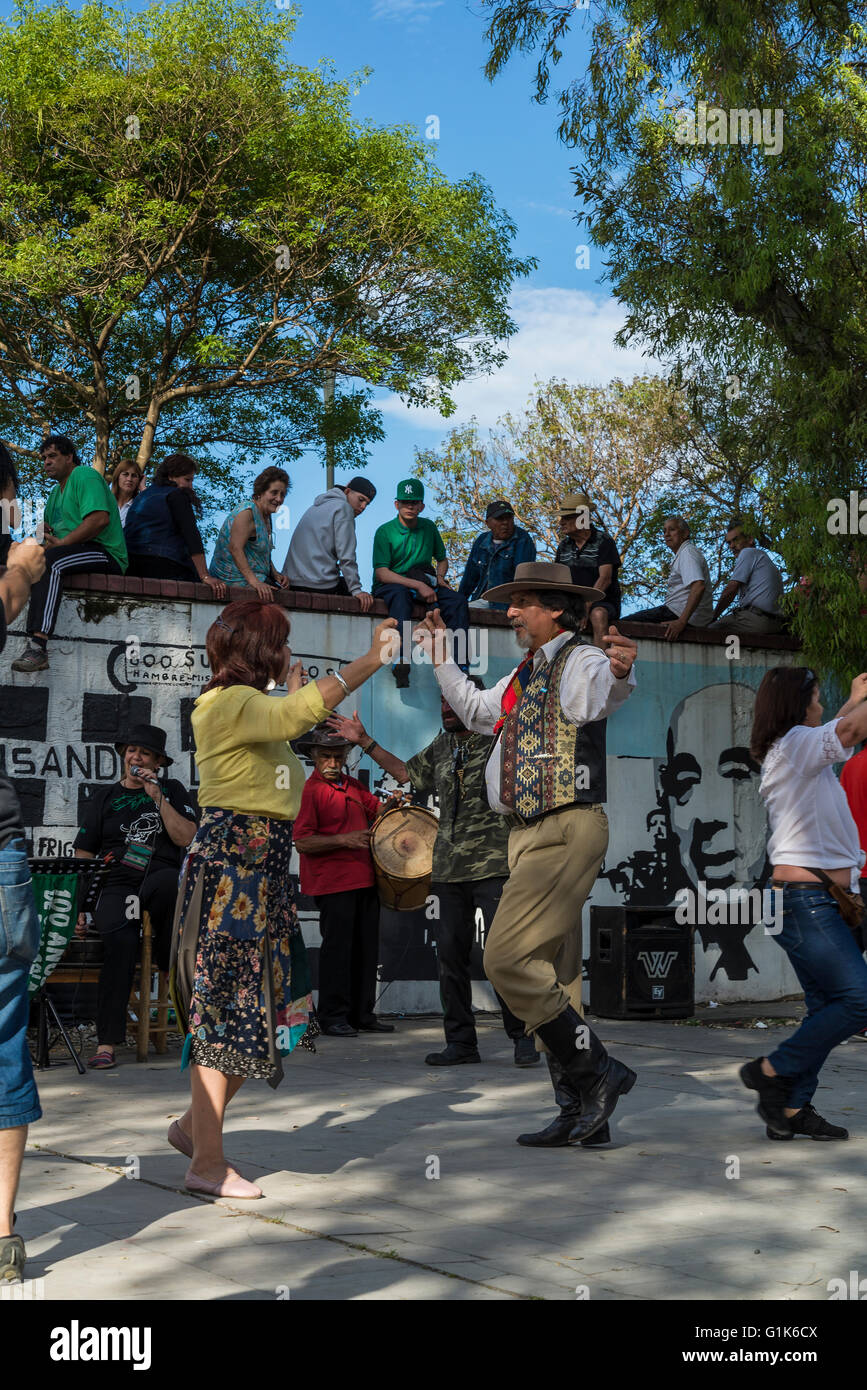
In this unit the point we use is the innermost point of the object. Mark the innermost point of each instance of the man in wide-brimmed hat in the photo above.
(145, 822)
(593, 561)
(546, 773)
(332, 836)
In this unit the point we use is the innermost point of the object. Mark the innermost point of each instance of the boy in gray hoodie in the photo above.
(321, 554)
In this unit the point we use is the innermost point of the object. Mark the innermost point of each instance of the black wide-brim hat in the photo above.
(320, 736)
(146, 736)
(542, 577)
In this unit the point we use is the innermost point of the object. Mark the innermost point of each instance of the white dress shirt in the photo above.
(589, 690)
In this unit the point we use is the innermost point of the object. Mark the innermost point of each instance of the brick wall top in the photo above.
(171, 589)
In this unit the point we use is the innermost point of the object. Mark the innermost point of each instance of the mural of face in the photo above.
(711, 787)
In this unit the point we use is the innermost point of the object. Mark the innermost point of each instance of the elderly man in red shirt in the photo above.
(332, 836)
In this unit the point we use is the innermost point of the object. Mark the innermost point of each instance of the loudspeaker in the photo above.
(642, 963)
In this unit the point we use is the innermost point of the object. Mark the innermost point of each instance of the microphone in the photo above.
(143, 774)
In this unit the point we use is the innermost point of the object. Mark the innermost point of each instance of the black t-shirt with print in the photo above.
(118, 816)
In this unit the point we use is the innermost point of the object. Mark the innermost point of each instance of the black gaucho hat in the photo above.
(146, 736)
(319, 737)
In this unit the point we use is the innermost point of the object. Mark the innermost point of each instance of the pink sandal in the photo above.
(234, 1186)
(102, 1061)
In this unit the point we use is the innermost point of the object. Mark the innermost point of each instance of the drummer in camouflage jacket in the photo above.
(470, 866)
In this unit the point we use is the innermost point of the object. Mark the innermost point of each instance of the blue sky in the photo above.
(427, 59)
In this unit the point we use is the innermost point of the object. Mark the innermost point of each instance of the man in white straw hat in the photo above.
(546, 773)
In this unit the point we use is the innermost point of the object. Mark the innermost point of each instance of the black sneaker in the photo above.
(12, 1258)
(773, 1097)
(525, 1053)
(452, 1056)
(31, 659)
(811, 1125)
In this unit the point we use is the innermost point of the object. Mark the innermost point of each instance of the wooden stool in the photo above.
(140, 999)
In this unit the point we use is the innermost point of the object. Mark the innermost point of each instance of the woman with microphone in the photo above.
(144, 823)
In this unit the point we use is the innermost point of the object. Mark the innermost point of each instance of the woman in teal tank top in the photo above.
(242, 554)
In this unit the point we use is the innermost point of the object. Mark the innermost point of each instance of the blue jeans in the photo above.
(19, 942)
(833, 975)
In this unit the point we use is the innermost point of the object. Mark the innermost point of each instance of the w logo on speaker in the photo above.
(657, 963)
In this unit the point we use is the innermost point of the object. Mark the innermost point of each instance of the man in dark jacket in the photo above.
(495, 554)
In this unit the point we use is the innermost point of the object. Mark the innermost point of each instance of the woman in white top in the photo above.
(126, 482)
(811, 828)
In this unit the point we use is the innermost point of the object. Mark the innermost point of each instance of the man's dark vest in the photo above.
(150, 527)
(546, 762)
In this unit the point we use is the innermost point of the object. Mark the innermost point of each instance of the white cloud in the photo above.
(552, 210)
(412, 10)
(561, 333)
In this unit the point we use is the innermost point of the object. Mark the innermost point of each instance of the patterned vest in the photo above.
(546, 762)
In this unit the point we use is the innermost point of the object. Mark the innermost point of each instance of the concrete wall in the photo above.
(683, 801)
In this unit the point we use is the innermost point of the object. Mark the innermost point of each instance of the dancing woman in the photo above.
(239, 968)
(813, 848)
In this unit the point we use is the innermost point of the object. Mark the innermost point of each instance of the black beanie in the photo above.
(364, 486)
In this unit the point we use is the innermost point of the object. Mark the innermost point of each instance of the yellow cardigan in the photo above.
(244, 760)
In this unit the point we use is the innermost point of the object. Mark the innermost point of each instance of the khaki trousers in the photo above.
(744, 620)
(533, 950)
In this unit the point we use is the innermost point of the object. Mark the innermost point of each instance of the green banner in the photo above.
(56, 905)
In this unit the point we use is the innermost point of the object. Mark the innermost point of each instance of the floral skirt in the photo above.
(240, 978)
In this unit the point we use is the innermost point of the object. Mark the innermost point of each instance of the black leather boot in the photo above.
(568, 1097)
(600, 1079)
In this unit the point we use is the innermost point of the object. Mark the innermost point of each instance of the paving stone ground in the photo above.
(344, 1146)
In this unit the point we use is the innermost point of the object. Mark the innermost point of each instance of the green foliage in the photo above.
(730, 255)
(193, 230)
(641, 450)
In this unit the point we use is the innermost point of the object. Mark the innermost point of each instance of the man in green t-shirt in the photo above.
(82, 533)
(409, 562)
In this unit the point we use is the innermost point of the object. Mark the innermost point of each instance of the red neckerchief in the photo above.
(518, 684)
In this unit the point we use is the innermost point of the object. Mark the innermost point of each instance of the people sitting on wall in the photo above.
(83, 534)
(409, 563)
(242, 554)
(145, 822)
(321, 555)
(593, 559)
(688, 598)
(126, 484)
(494, 555)
(162, 537)
(755, 582)
(332, 835)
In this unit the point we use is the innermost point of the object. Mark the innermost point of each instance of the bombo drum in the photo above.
(401, 843)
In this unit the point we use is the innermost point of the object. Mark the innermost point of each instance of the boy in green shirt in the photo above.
(409, 562)
(82, 533)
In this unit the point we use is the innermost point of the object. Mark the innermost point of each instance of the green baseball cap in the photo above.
(410, 490)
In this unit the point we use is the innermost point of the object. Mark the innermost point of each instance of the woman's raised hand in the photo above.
(296, 677)
(386, 642)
